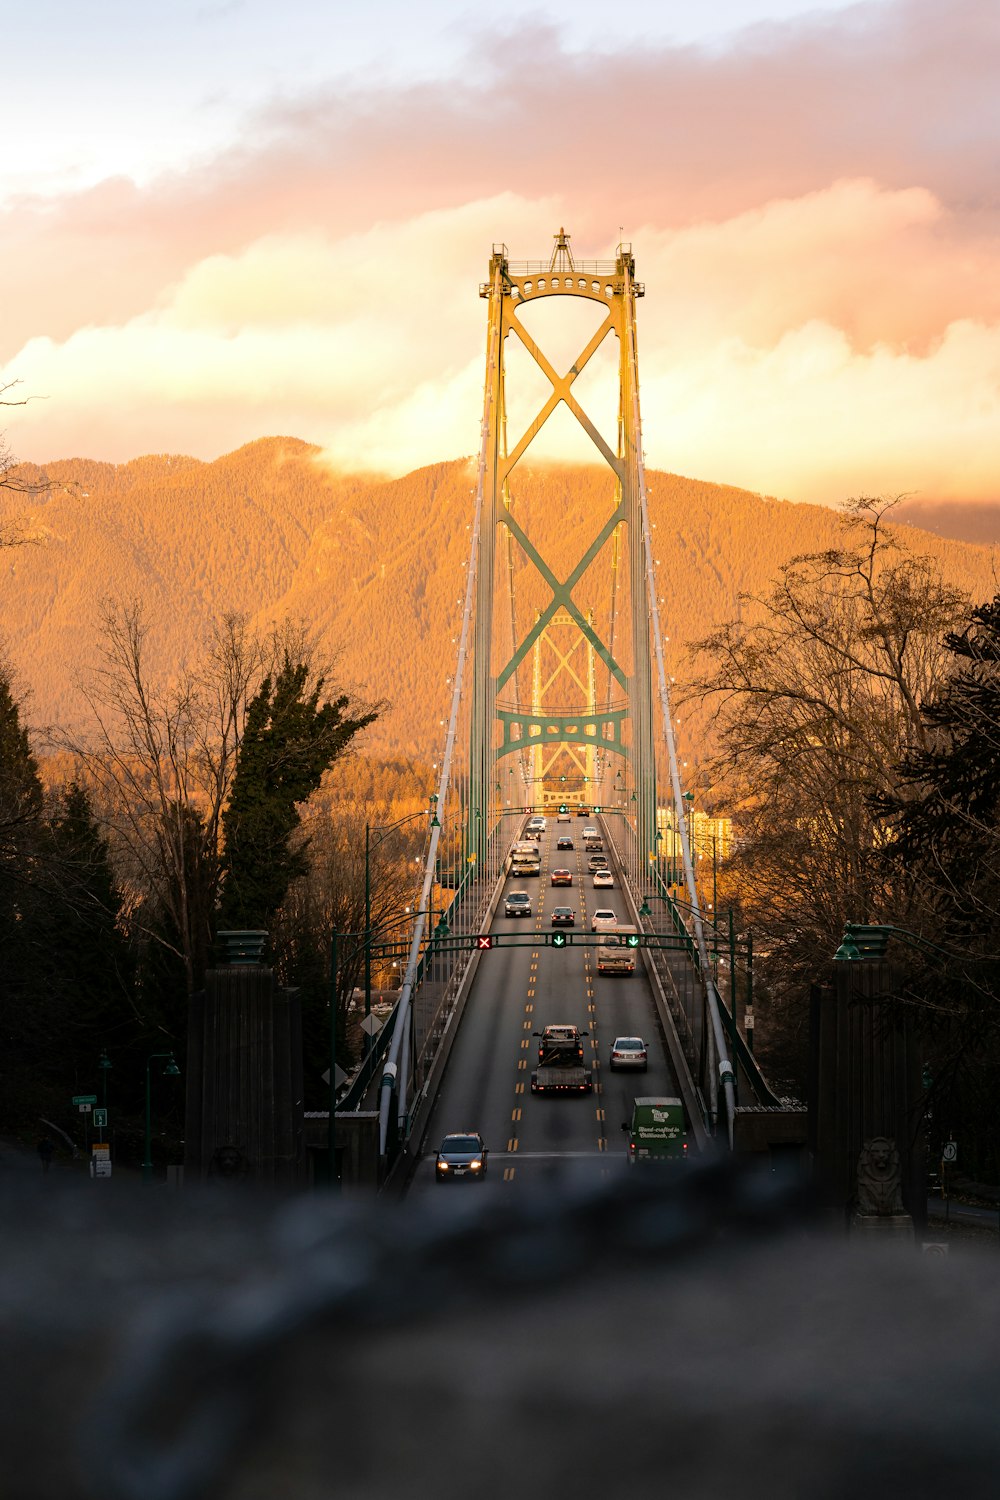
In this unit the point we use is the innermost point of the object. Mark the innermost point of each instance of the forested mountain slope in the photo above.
(375, 566)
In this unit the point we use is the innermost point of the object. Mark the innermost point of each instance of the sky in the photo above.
(223, 219)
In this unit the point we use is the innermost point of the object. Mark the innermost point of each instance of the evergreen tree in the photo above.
(289, 740)
(944, 848)
(946, 811)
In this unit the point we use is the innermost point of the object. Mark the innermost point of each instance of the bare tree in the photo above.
(12, 532)
(818, 691)
(161, 765)
(331, 898)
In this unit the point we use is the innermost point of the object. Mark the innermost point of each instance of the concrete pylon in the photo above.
(244, 1103)
(864, 1087)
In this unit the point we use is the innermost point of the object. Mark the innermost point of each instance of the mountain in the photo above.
(375, 567)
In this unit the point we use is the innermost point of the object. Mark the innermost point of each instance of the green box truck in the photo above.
(657, 1130)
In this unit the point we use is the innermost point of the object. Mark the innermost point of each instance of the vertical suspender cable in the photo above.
(718, 1033)
(397, 1064)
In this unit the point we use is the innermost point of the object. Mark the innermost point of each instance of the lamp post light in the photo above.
(170, 1070)
(383, 830)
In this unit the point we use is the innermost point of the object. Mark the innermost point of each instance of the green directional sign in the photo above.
(633, 940)
(558, 940)
(84, 1098)
(563, 808)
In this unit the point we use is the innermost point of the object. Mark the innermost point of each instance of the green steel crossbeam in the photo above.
(562, 595)
(564, 729)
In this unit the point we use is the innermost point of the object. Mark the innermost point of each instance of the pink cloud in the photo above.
(896, 92)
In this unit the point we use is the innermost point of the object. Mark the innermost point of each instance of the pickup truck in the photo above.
(561, 1068)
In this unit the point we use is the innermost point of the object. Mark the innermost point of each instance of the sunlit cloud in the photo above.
(817, 236)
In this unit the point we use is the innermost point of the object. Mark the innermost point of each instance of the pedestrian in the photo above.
(46, 1151)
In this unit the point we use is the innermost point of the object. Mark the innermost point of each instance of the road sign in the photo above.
(85, 1108)
(338, 1073)
(84, 1098)
(950, 1151)
(372, 1025)
(632, 940)
(484, 941)
(100, 1119)
(558, 940)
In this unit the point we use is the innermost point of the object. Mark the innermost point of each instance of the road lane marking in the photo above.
(521, 1065)
(602, 1144)
(508, 1173)
(524, 1043)
(515, 1115)
(528, 1009)
(512, 1145)
(519, 1088)
(600, 1114)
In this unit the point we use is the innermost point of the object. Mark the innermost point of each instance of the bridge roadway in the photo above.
(487, 1083)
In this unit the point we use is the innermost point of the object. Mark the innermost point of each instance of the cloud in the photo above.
(812, 214)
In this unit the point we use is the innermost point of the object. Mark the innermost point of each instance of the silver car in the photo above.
(517, 904)
(629, 1052)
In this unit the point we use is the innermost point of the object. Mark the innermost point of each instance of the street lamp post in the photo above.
(170, 1070)
(104, 1065)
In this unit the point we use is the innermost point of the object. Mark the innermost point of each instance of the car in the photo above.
(590, 832)
(562, 877)
(597, 862)
(594, 846)
(462, 1155)
(563, 916)
(603, 920)
(517, 904)
(564, 843)
(629, 1052)
(563, 818)
(603, 880)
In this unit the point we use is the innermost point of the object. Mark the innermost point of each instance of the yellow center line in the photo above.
(508, 1173)
(519, 1088)
(515, 1115)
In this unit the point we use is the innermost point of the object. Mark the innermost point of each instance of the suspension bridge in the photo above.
(560, 705)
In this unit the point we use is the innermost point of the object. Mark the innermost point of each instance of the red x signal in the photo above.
(484, 942)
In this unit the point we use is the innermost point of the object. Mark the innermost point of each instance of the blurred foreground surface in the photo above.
(703, 1337)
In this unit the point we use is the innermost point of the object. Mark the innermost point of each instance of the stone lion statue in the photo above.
(879, 1187)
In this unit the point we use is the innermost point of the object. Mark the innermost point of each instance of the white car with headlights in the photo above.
(603, 880)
